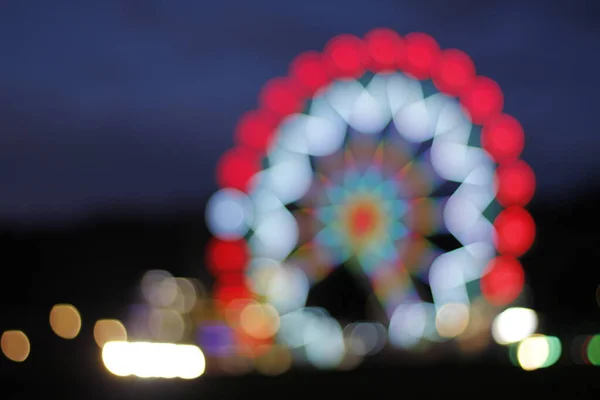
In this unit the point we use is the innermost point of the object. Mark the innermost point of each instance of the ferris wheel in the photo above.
(388, 156)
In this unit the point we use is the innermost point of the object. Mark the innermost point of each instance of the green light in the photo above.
(593, 350)
(554, 351)
(512, 354)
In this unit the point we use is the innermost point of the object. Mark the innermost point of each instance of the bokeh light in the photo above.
(229, 214)
(159, 288)
(513, 325)
(593, 350)
(65, 321)
(260, 321)
(153, 360)
(365, 338)
(538, 351)
(503, 138)
(166, 325)
(452, 319)
(275, 361)
(109, 330)
(515, 231)
(15, 345)
(503, 280)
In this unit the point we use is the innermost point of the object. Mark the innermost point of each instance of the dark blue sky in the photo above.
(133, 101)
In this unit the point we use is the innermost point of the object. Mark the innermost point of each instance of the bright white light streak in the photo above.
(229, 214)
(153, 360)
(513, 325)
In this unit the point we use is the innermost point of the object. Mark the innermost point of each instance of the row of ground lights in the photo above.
(65, 322)
(533, 352)
(145, 360)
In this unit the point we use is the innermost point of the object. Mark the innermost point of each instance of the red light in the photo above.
(503, 138)
(227, 256)
(236, 168)
(515, 231)
(256, 130)
(503, 281)
(308, 70)
(345, 56)
(251, 347)
(422, 52)
(225, 294)
(281, 96)
(483, 99)
(516, 184)
(453, 72)
(363, 220)
(386, 49)
(235, 278)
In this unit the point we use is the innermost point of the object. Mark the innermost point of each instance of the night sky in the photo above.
(131, 102)
(112, 105)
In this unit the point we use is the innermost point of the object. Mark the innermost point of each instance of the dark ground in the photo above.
(95, 265)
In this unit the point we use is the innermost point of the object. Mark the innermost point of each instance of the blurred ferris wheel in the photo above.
(387, 156)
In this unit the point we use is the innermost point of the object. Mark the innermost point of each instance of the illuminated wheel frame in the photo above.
(425, 94)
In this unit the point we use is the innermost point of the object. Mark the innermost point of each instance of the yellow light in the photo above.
(452, 320)
(65, 321)
(153, 360)
(275, 361)
(538, 351)
(109, 330)
(15, 345)
(260, 321)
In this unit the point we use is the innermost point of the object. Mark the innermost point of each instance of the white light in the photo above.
(514, 325)
(533, 352)
(287, 289)
(159, 288)
(370, 111)
(408, 324)
(365, 338)
(229, 214)
(275, 235)
(318, 134)
(153, 360)
(402, 91)
(325, 347)
(416, 122)
(289, 176)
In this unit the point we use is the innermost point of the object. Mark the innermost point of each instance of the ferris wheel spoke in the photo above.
(416, 254)
(425, 215)
(392, 286)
